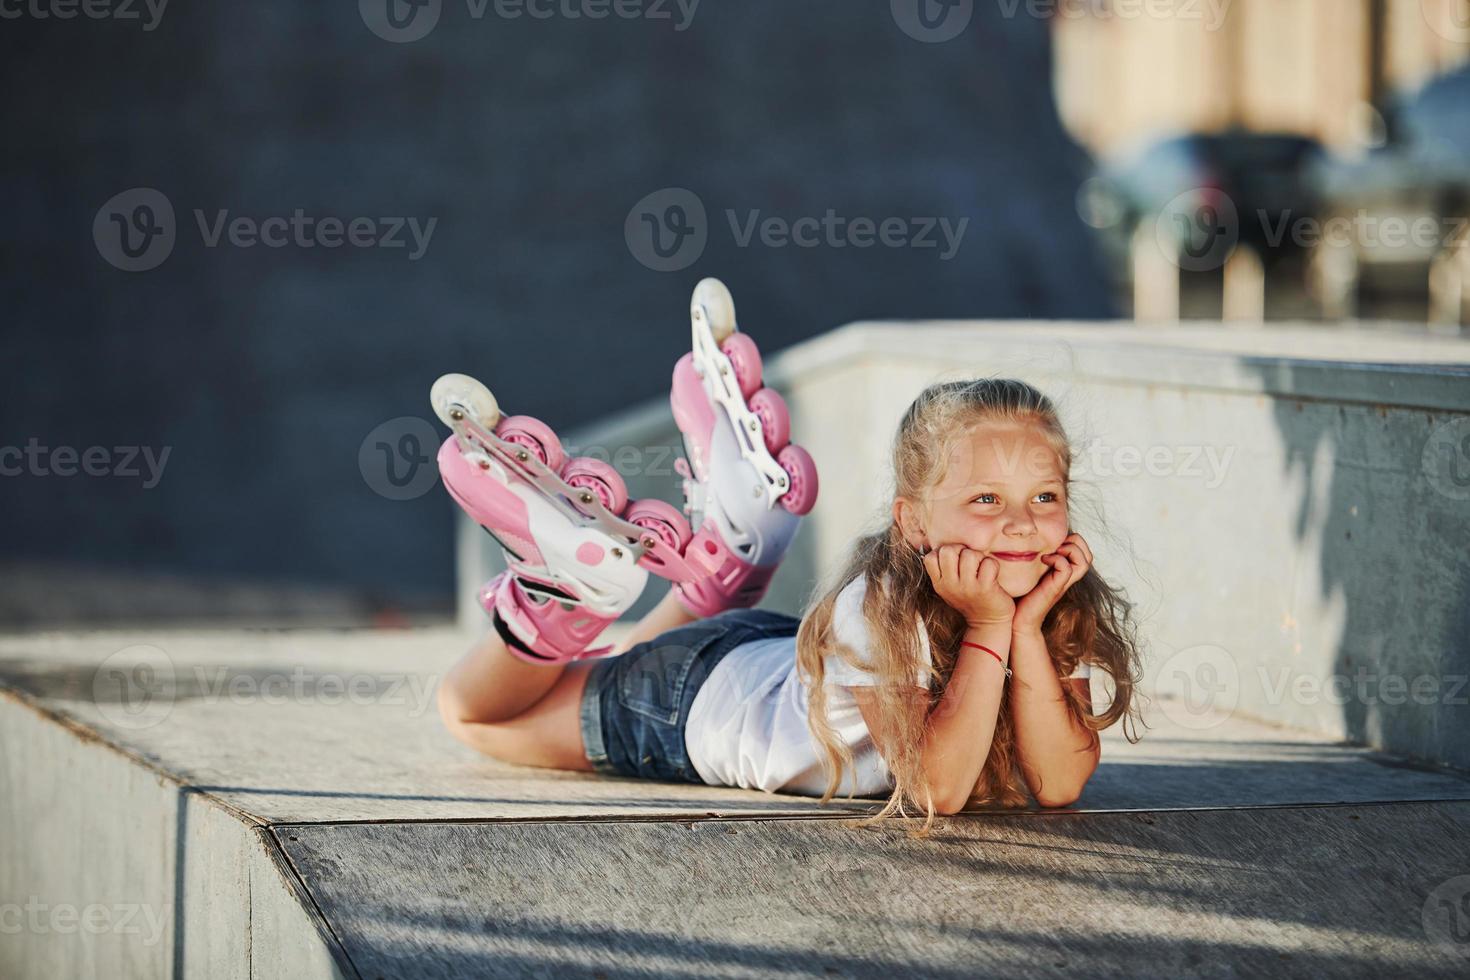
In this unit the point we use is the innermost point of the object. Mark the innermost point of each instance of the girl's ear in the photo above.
(906, 516)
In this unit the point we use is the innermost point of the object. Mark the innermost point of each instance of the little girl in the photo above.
(948, 667)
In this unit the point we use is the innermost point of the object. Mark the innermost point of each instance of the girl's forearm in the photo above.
(1057, 753)
(962, 724)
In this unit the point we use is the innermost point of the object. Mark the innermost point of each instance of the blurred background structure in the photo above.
(1328, 139)
(1250, 160)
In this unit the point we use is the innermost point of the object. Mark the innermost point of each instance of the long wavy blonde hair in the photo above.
(1089, 623)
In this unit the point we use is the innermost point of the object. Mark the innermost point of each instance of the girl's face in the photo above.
(1003, 494)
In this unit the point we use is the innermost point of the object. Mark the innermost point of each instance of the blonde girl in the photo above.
(947, 667)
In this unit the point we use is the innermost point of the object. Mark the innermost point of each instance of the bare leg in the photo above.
(490, 684)
(527, 713)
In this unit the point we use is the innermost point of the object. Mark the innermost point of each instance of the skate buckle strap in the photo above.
(719, 377)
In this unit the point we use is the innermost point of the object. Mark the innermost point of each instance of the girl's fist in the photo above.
(967, 581)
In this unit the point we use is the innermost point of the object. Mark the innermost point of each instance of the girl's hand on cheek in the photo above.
(968, 582)
(1065, 566)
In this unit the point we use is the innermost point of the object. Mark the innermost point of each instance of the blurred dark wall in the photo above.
(263, 369)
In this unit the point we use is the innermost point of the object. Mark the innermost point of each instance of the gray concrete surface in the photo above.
(286, 804)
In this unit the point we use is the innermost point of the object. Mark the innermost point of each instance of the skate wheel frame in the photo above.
(467, 405)
(712, 320)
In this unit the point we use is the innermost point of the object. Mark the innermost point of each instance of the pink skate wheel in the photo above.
(801, 471)
(535, 436)
(770, 408)
(664, 520)
(598, 478)
(745, 357)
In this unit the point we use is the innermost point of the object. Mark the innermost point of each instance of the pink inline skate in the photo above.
(741, 463)
(578, 553)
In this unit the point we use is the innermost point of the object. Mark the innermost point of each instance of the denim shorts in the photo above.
(636, 704)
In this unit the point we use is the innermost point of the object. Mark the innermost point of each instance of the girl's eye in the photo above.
(1049, 493)
(981, 499)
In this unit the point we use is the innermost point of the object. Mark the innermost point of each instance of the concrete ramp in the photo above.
(1302, 891)
(286, 805)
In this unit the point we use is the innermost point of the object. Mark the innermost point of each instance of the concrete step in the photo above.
(287, 804)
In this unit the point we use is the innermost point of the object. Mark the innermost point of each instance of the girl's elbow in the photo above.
(1061, 795)
(948, 808)
(1051, 800)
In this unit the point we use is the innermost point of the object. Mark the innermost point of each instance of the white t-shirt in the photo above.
(748, 726)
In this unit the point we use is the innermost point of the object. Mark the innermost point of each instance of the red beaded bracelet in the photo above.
(998, 658)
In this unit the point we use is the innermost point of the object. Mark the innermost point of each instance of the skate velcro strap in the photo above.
(511, 640)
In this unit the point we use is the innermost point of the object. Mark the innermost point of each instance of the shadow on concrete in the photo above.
(1394, 528)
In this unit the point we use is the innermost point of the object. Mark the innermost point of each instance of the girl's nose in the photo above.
(1019, 522)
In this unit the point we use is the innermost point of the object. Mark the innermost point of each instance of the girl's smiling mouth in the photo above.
(1016, 555)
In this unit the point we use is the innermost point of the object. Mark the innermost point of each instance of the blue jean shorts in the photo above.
(636, 704)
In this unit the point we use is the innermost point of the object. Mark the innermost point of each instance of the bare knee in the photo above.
(486, 737)
(458, 716)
